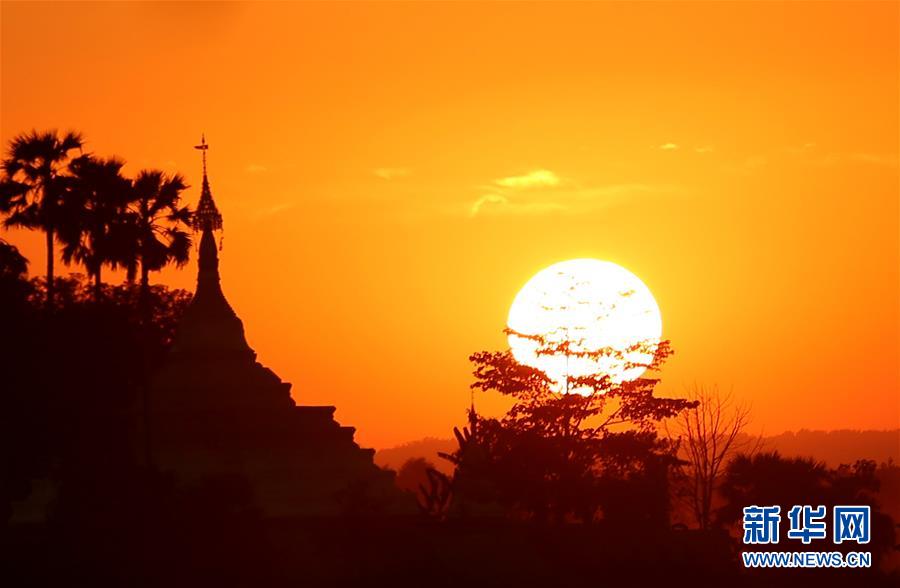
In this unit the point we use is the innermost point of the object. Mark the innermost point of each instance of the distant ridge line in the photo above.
(833, 447)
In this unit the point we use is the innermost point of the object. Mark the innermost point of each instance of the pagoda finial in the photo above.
(203, 146)
(207, 216)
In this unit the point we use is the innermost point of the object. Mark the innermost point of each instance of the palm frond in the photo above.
(179, 246)
(12, 194)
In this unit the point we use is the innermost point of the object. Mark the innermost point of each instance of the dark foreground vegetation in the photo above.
(233, 548)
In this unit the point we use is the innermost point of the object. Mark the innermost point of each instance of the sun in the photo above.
(593, 305)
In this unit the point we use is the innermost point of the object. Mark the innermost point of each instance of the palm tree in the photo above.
(96, 204)
(158, 226)
(157, 237)
(31, 189)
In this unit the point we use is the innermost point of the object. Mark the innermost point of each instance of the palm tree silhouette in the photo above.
(95, 207)
(156, 238)
(31, 189)
(157, 226)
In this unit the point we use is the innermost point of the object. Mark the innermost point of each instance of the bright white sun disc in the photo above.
(593, 305)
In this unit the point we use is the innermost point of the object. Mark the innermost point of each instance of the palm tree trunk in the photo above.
(144, 300)
(144, 309)
(98, 284)
(49, 234)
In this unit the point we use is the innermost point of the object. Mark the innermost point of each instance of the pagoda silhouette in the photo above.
(214, 411)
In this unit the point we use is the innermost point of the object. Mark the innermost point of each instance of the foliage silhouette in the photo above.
(31, 186)
(412, 473)
(435, 494)
(13, 265)
(99, 216)
(96, 203)
(416, 476)
(770, 479)
(158, 223)
(566, 456)
(83, 408)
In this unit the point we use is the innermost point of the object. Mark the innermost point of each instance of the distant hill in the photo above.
(840, 446)
(832, 447)
(428, 448)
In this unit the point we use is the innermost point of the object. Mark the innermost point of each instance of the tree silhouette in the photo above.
(709, 434)
(77, 413)
(473, 488)
(13, 265)
(412, 473)
(430, 487)
(558, 455)
(770, 479)
(31, 189)
(158, 222)
(96, 206)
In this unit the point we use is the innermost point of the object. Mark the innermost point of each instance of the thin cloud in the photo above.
(571, 200)
(255, 168)
(495, 204)
(487, 199)
(539, 178)
(669, 146)
(392, 173)
(705, 149)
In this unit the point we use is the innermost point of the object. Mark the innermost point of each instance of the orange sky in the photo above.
(740, 158)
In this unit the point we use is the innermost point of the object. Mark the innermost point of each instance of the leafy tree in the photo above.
(31, 186)
(556, 456)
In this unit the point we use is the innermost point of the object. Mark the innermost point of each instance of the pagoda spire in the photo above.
(207, 216)
(207, 219)
(209, 326)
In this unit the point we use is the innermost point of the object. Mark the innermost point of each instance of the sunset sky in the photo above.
(391, 174)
